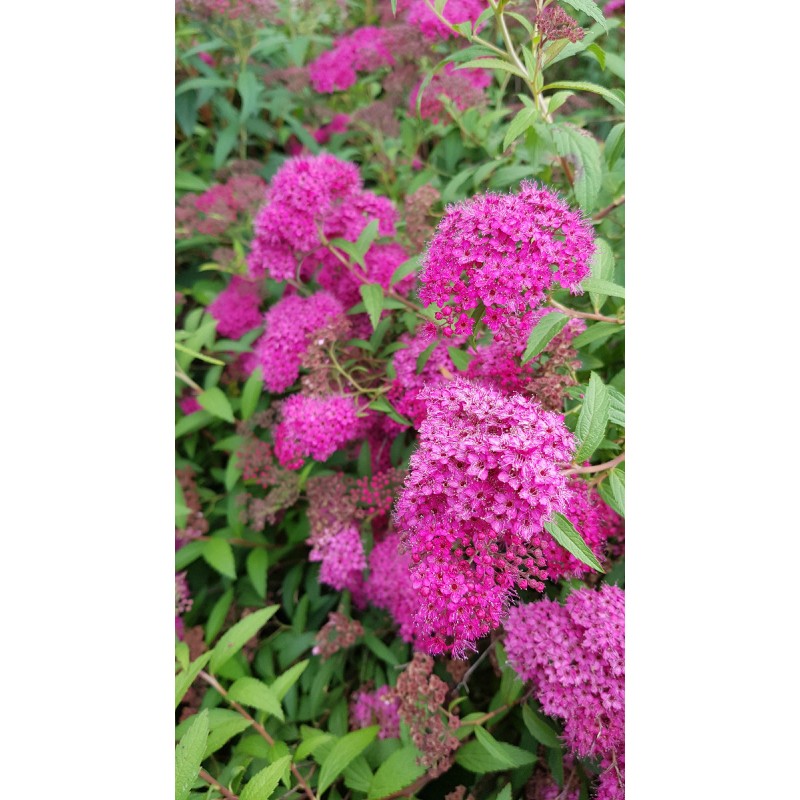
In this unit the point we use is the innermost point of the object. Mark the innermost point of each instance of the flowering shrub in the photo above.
(400, 428)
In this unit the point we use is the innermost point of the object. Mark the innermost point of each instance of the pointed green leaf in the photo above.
(257, 564)
(539, 729)
(563, 531)
(596, 333)
(616, 411)
(358, 775)
(590, 8)
(604, 287)
(372, 293)
(406, 268)
(493, 63)
(241, 632)
(342, 753)
(542, 334)
(521, 122)
(185, 678)
(459, 358)
(215, 401)
(583, 147)
(251, 392)
(189, 755)
(603, 269)
(281, 685)
(218, 554)
(615, 98)
(615, 144)
(252, 692)
(593, 418)
(398, 771)
(263, 783)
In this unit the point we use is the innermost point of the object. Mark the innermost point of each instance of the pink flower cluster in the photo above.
(484, 479)
(309, 194)
(464, 87)
(614, 7)
(389, 584)
(217, 209)
(504, 251)
(454, 11)
(408, 385)
(236, 308)
(315, 427)
(380, 707)
(343, 560)
(254, 459)
(363, 50)
(338, 124)
(188, 403)
(554, 23)
(253, 11)
(574, 655)
(287, 326)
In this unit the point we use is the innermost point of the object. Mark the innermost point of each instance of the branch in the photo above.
(595, 467)
(606, 211)
(217, 785)
(570, 312)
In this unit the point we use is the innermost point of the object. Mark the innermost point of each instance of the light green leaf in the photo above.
(263, 783)
(597, 332)
(505, 794)
(539, 729)
(215, 401)
(498, 757)
(616, 412)
(616, 481)
(604, 287)
(493, 63)
(216, 617)
(501, 750)
(241, 632)
(281, 685)
(563, 531)
(358, 775)
(342, 753)
(218, 554)
(382, 404)
(593, 418)
(189, 755)
(615, 144)
(406, 268)
(257, 564)
(616, 98)
(222, 733)
(249, 88)
(203, 83)
(598, 53)
(558, 99)
(226, 141)
(603, 269)
(589, 7)
(185, 678)
(398, 771)
(380, 649)
(366, 238)
(195, 354)
(543, 332)
(192, 422)
(583, 147)
(252, 692)
(251, 392)
(372, 294)
(460, 359)
(521, 122)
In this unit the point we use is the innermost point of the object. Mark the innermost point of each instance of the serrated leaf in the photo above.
(616, 99)
(589, 7)
(460, 359)
(257, 564)
(342, 753)
(616, 412)
(558, 99)
(263, 783)
(234, 639)
(602, 268)
(216, 617)
(542, 334)
(408, 267)
(251, 392)
(604, 287)
(616, 480)
(563, 531)
(583, 147)
(593, 418)
(189, 755)
(596, 332)
(221, 734)
(252, 692)
(358, 775)
(185, 678)
(493, 63)
(281, 685)
(214, 401)
(398, 771)
(372, 294)
(539, 729)
(521, 122)
(218, 554)
(615, 144)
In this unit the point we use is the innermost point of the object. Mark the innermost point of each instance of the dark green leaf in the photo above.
(342, 753)
(539, 729)
(521, 122)
(251, 392)
(372, 294)
(543, 332)
(257, 564)
(380, 649)
(216, 617)
(593, 418)
(596, 333)
(563, 531)
(398, 771)
(241, 632)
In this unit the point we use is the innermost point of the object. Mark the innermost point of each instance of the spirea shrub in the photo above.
(400, 400)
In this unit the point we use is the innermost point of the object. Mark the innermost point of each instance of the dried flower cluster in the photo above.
(338, 633)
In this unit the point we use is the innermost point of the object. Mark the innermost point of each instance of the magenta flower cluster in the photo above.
(574, 656)
(423, 17)
(314, 427)
(464, 87)
(287, 326)
(237, 308)
(364, 50)
(486, 476)
(309, 196)
(343, 560)
(505, 252)
(379, 707)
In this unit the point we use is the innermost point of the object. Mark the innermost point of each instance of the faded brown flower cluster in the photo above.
(338, 633)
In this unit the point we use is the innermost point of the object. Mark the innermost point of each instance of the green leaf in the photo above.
(503, 752)
(596, 332)
(398, 771)
(216, 617)
(372, 293)
(539, 729)
(598, 53)
(226, 141)
(489, 755)
(195, 354)
(366, 238)
(505, 794)
(616, 412)
(189, 755)
(241, 632)
(221, 734)
(218, 554)
(604, 287)
(342, 753)
(602, 268)
(616, 481)
(380, 649)
(521, 122)
(583, 147)
(615, 98)
(358, 775)
(215, 401)
(615, 144)
(186, 181)
(281, 685)
(593, 418)
(493, 63)
(563, 531)
(263, 783)
(590, 8)
(543, 332)
(257, 564)
(252, 692)
(459, 358)
(185, 678)
(192, 423)
(203, 83)
(249, 88)
(382, 404)
(422, 358)
(251, 392)
(408, 267)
